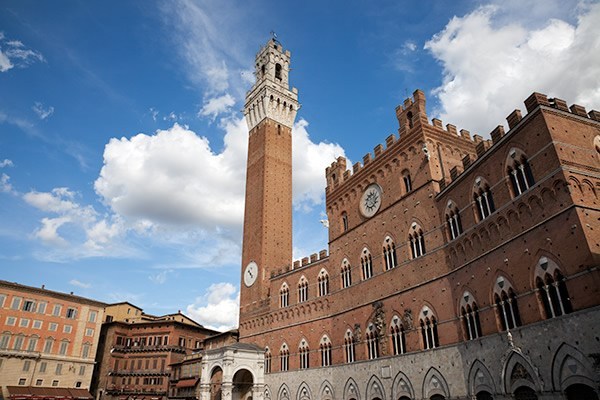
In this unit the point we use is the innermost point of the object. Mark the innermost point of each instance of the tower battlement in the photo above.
(412, 113)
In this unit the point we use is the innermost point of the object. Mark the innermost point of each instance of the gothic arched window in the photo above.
(304, 352)
(278, 71)
(325, 349)
(407, 181)
(372, 338)
(284, 357)
(284, 295)
(267, 360)
(453, 221)
(344, 221)
(417, 241)
(429, 331)
(470, 315)
(302, 290)
(349, 346)
(367, 264)
(519, 172)
(552, 289)
(505, 300)
(484, 201)
(346, 273)
(323, 280)
(398, 337)
(389, 253)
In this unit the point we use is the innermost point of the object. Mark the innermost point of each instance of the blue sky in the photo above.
(122, 144)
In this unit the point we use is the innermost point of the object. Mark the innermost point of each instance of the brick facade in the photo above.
(470, 238)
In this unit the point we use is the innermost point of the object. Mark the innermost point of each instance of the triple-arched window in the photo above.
(284, 295)
(325, 349)
(389, 254)
(519, 172)
(470, 316)
(372, 337)
(429, 331)
(303, 290)
(453, 220)
(349, 346)
(284, 357)
(484, 200)
(552, 289)
(304, 352)
(323, 280)
(346, 273)
(417, 241)
(507, 307)
(366, 264)
(398, 337)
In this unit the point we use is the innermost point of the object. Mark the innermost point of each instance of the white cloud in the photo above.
(492, 63)
(41, 111)
(16, 54)
(154, 113)
(5, 185)
(217, 105)
(6, 163)
(218, 308)
(80, 284)
(309, 161)
(160, 277)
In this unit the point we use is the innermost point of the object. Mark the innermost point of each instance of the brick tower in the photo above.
(270, 111)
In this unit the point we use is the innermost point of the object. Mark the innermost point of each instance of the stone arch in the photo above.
(480, 379)
(243, 381)
(267, 393)
(435, 384)
(216, 382)
(326, 391)
(284, 393)
(571, 367)
(351, 391)
(375, 389)
(402, 387)
(518, 372)
(303, 392)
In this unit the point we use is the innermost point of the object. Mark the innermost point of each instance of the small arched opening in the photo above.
(216, 381)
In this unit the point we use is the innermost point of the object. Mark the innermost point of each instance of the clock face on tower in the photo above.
(250, 273)
(370, 200)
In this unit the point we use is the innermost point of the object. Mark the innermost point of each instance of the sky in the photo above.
(123, 143)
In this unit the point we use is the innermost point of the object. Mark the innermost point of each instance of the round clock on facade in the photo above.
(370, 200)
(250, 273)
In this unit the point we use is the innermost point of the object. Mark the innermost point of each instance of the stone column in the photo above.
(204, 391)
(226, 391)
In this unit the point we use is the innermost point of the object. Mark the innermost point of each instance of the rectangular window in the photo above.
(11, 321)
(16, 302)
(93, 316)
(4, 339)
(29, 305)
(53, 326)
(82, 370)
(48, 346)
(37, 324)
(71, 313)
(63, 348)
(24, 323)
(85, 352)
(18, 345)
(56, 310)
(42, 308)
(26, 365)
(2, 298)
(32, 344)
(54, 383)
(58, 369)
(39, 382)
(43, 366)
(67, 328)
(89, 332)
(78, 384)
(22, 381)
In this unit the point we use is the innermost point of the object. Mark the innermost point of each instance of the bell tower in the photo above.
(270, 110)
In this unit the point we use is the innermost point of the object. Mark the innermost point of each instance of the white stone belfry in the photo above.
(271, 97)
(235, 372)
